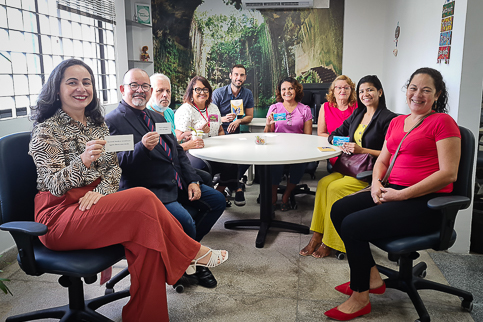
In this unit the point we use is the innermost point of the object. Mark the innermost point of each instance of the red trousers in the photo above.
(157, 249)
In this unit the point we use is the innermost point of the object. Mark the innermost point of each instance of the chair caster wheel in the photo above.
(179, 288)
(467, 305)
(423, 274)
(340, 255)
(109, 291)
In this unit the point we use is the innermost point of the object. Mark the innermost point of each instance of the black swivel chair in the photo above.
(410, 279)
(18, 186)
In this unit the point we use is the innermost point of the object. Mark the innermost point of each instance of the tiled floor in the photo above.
(269, 284)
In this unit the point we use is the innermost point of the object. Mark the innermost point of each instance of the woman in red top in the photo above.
(341, 102)
(426, 167)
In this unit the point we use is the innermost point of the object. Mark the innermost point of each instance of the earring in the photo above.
(57, 97)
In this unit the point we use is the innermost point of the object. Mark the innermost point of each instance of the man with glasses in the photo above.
(159, 164)
(226, 96)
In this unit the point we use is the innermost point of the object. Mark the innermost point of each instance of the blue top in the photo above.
(222, 97)
(168, 115)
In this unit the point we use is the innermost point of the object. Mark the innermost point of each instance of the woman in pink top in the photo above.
(425, 168)
(341, 102)
(297, 118)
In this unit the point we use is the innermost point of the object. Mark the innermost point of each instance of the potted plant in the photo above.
(4, 287)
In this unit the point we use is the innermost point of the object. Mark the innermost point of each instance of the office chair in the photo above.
(18, 187)
(410, 279)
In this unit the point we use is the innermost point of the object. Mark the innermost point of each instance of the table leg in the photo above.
(265, 221)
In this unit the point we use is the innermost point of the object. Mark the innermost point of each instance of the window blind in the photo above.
(103, 10)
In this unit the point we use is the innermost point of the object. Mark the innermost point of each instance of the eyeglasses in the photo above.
(134, 86)
(201, 90)
(339, 88)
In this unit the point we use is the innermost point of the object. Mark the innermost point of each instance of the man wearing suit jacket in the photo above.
(159, 164)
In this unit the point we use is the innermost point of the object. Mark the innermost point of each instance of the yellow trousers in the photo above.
(330, 189)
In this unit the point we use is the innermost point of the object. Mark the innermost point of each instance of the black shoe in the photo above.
(240, 198)
(205, 277)
(228, 203)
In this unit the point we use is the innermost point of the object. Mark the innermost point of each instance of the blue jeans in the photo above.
(197, 217)
(296, 172)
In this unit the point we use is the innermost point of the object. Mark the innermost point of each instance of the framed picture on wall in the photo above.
(143, 13)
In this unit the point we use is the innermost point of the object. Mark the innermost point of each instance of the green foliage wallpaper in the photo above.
(207, 37)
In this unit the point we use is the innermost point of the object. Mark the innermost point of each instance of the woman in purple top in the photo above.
(295, 118)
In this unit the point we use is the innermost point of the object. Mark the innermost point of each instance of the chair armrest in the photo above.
(448, 201)
(25, 234)
(449, 207)
(26, 227)
(364, 175)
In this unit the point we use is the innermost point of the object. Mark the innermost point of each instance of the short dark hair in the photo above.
(441, 105)
(47, 103)
(299, 89)
(374, 80)
(238, 66)
(188, 96)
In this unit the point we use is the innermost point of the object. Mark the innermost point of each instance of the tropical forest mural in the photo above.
(207, 37)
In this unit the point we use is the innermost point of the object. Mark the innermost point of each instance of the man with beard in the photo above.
(160, 164)
(222, 97)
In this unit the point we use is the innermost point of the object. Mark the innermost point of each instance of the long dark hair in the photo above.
(299, 89)
(441, 105)
(188, 96)
(377, 84)
(47, 103)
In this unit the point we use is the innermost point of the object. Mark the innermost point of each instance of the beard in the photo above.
(139, 100)
(234, 83)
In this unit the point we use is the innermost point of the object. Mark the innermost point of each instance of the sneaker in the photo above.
(240, 198)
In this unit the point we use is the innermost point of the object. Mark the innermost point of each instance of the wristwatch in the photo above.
(197, 182)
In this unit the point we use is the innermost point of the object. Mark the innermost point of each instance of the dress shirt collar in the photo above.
(231, 92)
(134, 110)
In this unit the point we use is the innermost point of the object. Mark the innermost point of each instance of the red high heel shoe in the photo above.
(341, 316)
(345, 289)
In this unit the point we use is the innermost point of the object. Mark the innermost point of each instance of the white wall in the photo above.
(363, 38)
(417, 47)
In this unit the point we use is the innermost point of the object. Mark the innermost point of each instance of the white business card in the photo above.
(163, 128)
(117, 143)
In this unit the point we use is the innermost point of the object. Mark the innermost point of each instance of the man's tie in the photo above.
(166, 148)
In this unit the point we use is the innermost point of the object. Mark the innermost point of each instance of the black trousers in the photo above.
(358, 220)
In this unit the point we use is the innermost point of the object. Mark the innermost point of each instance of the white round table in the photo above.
(280, 148)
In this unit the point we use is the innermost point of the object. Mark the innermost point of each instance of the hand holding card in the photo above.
(117, 143)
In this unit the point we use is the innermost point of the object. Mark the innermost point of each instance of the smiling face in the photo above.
(421, 94)
(342, 90)
(287, 92)
(76, 90)
(136, 98)
(369, 95)
(162, 91)
(200, 98)
(238, 77)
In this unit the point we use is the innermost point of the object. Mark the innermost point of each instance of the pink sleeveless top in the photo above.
(335, 117)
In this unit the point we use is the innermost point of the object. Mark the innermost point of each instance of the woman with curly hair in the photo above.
(298, 119)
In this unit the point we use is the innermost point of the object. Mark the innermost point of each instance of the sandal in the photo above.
(322, 251)
(285, 206)
(215, 259)
(306, 252)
